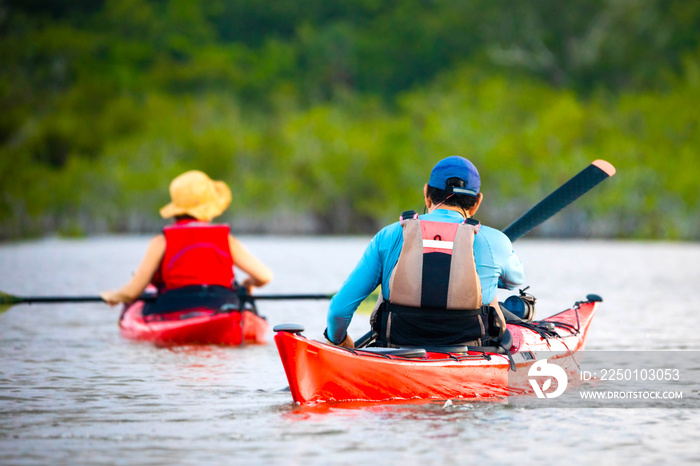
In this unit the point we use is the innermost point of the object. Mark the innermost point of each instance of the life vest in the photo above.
(434, 289)
(196, 253)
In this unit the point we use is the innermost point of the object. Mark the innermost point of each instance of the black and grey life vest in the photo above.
(435, 292)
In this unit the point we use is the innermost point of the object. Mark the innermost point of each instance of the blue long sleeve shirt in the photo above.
(496, 264)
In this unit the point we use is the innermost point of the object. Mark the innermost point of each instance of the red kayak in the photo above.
(319, 372)
(195, 326)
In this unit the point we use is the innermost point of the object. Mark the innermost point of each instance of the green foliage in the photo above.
(334, 112)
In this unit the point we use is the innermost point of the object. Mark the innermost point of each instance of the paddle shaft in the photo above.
(274, 297)
(9, 299)
(567, 193)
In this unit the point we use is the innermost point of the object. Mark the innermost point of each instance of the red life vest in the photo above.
(196, 253)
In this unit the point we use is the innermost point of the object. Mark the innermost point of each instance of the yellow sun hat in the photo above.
(194, 193)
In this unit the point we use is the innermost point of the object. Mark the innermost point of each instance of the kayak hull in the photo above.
(320, 372)
(195, 326)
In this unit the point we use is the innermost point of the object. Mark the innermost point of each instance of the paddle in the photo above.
(567, 193)
(8, 299)
(272, 297)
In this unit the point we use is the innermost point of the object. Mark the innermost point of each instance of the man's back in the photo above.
(496, 264)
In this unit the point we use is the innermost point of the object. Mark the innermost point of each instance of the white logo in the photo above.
(542, 369)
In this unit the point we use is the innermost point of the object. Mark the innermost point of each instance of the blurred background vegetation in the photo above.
(326, 117)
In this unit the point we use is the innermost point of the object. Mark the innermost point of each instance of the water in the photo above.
(73, 391)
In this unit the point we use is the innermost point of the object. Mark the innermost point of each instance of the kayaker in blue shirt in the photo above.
(435, 289)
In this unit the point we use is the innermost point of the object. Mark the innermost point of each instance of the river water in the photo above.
(72, 391)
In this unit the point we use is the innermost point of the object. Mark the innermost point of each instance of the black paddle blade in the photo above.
(559, 199)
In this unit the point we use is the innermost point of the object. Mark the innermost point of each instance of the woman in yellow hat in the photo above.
(192, 254)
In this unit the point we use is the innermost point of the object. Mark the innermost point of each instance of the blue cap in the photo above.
(455, 167)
